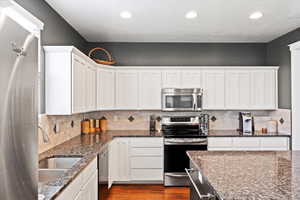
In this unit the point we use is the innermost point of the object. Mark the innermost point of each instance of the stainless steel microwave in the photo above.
(182, 99)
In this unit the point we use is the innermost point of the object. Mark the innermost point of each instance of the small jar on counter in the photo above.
(85, 126)
(103, 124)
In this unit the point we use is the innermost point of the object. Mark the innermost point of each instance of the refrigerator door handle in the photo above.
(19, 51)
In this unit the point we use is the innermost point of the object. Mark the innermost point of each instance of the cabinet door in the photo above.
(90, 189)
(78, 85)
(264, 86)
(127, 89)
(150, 84)
(220, 144)
(191, 79)
(171, 79)
(238, 89)
(214, 89)
(105, 89)
(112, 161)
(90, 88)
(123, 160)
(118, 161)
(79, 196)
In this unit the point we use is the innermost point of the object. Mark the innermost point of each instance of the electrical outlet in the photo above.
(56, 128)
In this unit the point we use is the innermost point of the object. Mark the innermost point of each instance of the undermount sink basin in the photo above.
(46, 175)
(58, 162)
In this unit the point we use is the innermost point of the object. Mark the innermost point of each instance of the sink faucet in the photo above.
(44, 134)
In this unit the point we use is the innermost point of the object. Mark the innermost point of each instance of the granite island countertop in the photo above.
(87, 146)
(245, 175)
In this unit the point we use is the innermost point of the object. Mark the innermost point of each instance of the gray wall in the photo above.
(209, 54)
(278, 53)
(56, 31)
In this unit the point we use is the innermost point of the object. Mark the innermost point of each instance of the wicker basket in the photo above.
(110, 61)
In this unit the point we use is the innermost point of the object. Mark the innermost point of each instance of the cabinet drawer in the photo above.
(89, 170)
(246, 143)
(146, 162)
(149, 151)
(147, 142)
(277, 143)
(216, 142)
(147, 174)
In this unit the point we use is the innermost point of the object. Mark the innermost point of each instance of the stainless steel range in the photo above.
(181, 134)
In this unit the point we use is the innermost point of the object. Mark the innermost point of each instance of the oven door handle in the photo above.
(208, 196)
(185, 143)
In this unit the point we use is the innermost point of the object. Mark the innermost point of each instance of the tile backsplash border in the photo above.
(119, 120)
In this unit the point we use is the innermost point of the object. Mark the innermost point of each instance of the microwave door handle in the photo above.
(194, 101)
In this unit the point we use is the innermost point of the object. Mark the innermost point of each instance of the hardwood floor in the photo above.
(145, 192)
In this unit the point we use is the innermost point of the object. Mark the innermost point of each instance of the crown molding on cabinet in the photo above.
(295, 46)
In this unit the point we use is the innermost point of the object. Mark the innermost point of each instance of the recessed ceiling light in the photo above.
(191, 14)
(256, 15)
(125, 14)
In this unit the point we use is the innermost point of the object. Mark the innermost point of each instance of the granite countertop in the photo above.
(235, 133)
(87, 146)
(251, 175)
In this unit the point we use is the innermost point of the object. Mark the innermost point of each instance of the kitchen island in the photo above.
(250, 174)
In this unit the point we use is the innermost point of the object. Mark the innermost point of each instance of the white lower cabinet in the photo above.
(90, 189)
(134, 160)
(84, 186)
(248, 143)
(275, 144)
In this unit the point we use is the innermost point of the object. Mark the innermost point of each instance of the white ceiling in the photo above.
(164, 21)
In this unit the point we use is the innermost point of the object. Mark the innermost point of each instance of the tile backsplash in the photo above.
(63, 125)
(225, 120)
(120, 120)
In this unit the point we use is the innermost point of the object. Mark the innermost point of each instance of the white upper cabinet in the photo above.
(150, 84)
(91, 74)
(264, 89)
(238, 87)
(252, 89)
(127, 89)
(191, 78)
(79, 83)
(70, 81)
(214, 89)
(105, 89)
(171, 78)
(75, 84)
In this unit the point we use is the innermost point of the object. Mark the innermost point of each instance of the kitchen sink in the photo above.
(46, 175)
(59, 162)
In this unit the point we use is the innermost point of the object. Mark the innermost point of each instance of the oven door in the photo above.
(178, 102)
(176, 159)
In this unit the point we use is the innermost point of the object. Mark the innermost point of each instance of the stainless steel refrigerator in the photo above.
(18, 111)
